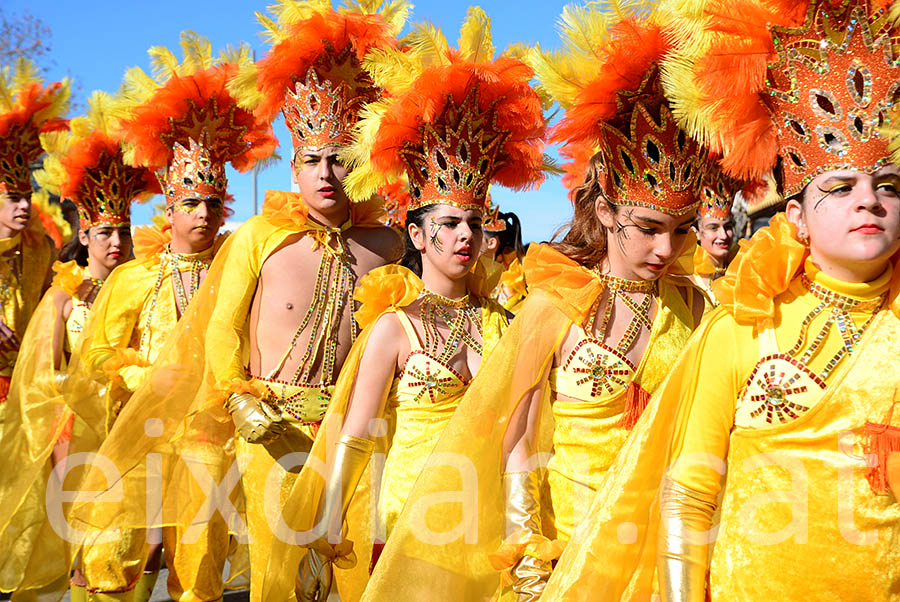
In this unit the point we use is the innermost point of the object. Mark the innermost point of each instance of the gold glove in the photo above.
(254, 418)
(351, 456)
(685, 519)
(523, 513)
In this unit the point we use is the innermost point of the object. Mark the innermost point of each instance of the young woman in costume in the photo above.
(772, 439)
(84, 165)
(603, 321)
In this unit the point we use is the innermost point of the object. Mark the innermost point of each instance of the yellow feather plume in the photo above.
(394, 12)
(428, 44)
(197, 52)
(163, 62)
(392, 70)
(363, 181)
(475, 36)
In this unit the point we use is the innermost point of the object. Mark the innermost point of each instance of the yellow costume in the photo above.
(29, 252)
(27, 108)
(704, 274)
(512, 290)
(778, 416)
(174, 126)
(35, 557)
(420, 403)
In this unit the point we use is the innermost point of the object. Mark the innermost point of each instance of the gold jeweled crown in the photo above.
(192, 173)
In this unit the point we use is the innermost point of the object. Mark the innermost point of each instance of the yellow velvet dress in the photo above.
(33, 556)
(460, 561)
(789, 423)
(130, 323)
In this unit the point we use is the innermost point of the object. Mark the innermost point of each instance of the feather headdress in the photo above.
(606, 78)
(812, 84)
(27, 108)
(185, 124)
(452, 120)
(85, 164)
(313, 72)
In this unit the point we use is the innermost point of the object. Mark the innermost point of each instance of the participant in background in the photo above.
(27, 108)
(187, 126)
(715, 244)
(503, 243)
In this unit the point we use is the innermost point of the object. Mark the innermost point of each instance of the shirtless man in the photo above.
(282, 323)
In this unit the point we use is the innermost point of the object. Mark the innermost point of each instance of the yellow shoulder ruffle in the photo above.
(762, 270)
(383, 288)
(484, 277)
(285, 209)
(570, 286)
(68, 276)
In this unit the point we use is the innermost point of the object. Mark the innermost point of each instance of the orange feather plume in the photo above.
(311, 41)
(199, 107)
(731, 75)
(31, 102)
(504, 94)
(633, 46)
(98, 152)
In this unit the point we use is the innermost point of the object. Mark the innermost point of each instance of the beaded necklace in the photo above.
(840, 307)
(437, 307)
(332, 294)
(618, 288)
(197, 262)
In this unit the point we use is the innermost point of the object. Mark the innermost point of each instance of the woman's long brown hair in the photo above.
(585, 239)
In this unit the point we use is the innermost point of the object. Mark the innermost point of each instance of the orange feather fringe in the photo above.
(156, 125)
(97, 151)
(503, 91)
(635, 44)
(321, 35)
(732, 74)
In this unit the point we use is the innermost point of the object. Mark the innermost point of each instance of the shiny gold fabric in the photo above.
(467, 526)
(37, 255)
(412, 427)
(175, 434)
(613, 556)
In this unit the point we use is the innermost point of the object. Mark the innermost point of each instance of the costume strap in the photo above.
(405, 322)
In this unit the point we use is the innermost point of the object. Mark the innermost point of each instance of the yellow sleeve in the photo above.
(713, 364)
(114, 316)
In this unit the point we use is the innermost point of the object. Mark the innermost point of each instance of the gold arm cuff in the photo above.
(683, 546)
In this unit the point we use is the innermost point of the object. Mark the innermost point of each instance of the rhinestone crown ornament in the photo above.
(193, 173)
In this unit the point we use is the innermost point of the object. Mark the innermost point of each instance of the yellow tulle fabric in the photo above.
(459, 496)
(412, 429)
(613, 555)
(178, 414)
(25, 292)
(33, 556)
(512, 290)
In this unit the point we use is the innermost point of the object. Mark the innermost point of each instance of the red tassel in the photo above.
(636, 400)
(882, 441)
(377, 549)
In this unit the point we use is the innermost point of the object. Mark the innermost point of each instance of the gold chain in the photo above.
(618, 288)
(437, 307)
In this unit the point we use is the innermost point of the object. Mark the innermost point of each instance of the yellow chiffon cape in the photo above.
(173, 441)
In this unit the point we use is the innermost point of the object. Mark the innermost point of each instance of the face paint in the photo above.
(435, 229)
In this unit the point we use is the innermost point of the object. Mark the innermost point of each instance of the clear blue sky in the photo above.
(95, 41)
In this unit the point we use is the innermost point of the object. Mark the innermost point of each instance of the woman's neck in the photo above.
(439, 283)
(859, 271)
(97, 270)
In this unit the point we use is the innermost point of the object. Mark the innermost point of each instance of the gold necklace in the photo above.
(840, 307)
(436, 307)
(618, 288)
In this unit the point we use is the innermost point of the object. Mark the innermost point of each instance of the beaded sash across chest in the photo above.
(332, 294)
(782, 386)
(427, 373)
(593, 368)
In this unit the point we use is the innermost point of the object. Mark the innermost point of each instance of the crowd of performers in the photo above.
(371, 391)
